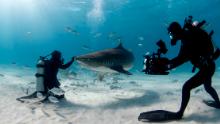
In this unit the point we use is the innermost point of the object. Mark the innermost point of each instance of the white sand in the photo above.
(114, 101)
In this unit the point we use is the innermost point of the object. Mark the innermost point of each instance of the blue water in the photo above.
(30, 28)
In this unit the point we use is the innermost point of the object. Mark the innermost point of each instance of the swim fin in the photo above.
(158, 116)
(32, 98)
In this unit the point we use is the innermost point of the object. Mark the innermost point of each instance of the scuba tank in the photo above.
(40, 75)
(189, 24)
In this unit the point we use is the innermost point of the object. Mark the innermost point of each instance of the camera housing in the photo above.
(154, 64)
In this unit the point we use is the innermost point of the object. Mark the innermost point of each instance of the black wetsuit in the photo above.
(52, 67)
(197, 48)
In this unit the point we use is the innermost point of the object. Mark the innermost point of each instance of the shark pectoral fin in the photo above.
(120, 69)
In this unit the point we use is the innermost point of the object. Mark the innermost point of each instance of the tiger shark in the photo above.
(117, 59)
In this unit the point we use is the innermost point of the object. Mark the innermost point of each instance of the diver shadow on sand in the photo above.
(149, 97)
(214, 117)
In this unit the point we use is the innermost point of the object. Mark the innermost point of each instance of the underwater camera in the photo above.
(154, 64)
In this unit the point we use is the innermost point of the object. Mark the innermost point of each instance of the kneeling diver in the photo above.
(47, 82)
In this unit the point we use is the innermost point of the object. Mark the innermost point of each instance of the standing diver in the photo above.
(196, 47)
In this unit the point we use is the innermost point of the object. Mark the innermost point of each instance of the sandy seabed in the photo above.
(117, 99)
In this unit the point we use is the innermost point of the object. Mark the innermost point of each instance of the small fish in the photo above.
(140, 44)
(97, 35)
(71, 30)
(114, 37)
(141, 38)
(29, 33)
(147, 53)
(76, 33)
(111, 35)
(13, 63)
(73, 9)
(85, 47)
(79, 2)
(68, 29)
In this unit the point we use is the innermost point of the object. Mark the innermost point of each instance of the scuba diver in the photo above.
(51, 70)
(47, 84)
(196, 47)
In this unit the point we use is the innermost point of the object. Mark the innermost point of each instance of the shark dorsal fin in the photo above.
(120, 46)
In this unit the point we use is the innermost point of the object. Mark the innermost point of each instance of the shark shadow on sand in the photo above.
(148, 98)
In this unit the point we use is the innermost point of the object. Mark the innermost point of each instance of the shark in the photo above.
(112, 60)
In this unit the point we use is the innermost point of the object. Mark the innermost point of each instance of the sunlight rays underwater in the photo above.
(35, 23)
(19, 18)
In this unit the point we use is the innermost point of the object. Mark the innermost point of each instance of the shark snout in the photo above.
(83, 60)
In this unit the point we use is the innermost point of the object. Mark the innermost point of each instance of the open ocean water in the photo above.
(33, 28)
